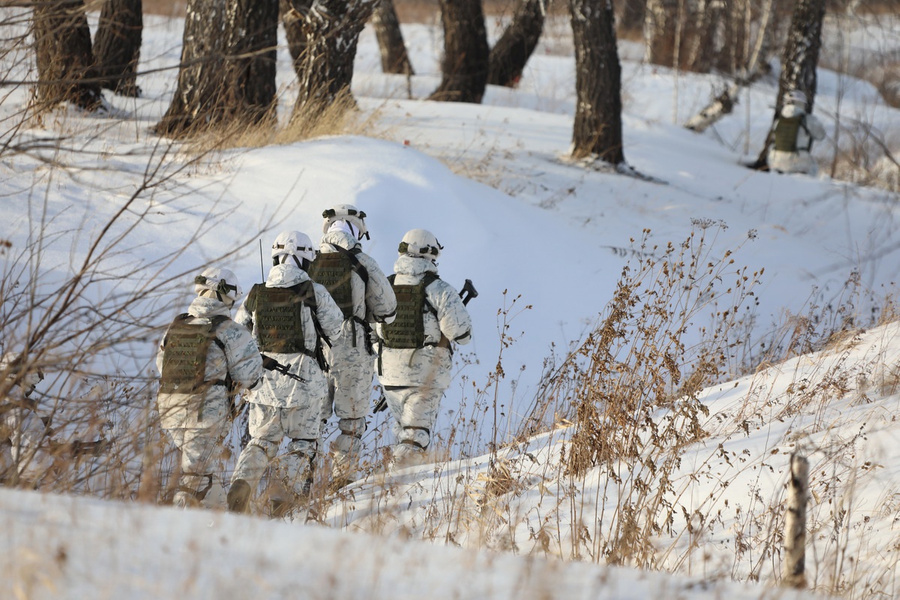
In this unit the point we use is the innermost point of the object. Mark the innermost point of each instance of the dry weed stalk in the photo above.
(634, 383)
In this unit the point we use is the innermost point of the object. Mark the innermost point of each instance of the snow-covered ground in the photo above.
(544, 242)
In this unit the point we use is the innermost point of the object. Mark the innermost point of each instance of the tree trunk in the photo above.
(394, 58)
(117, 45)
(631, 15)
(659, 31)
(512, 51)
(724, 103)
(598, 80)
(63, 55)
(704, 45)
(251, 41)
(798, 63)
(198, 102)
(293, 30)
(464, 66)
(795, 524)
(332, 29)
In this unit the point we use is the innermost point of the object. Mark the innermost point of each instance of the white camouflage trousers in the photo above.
(415, 411)
(269, 426)
(349, 391)
(23, 453)
(197, 425)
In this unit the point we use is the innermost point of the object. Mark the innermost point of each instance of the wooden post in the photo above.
(795, 524)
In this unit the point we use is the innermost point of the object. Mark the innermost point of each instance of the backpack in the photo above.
(278, 318)
(408, 328)
(333, 270)
(786, 129)
(185, 349)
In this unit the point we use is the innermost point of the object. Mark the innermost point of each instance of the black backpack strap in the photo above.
(363, 273)
(216, 322)
(429, 278)
(229, 382)
(808, 134)
(357, 266)
(307, 291)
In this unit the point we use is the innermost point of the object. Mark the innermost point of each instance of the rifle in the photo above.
(270, 364)
(467, 292)
(77, 448)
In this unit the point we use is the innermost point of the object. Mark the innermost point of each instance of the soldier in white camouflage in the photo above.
(292, 318)
(24, 443)
(794, 132)
(205, 360)
(416, 349)
(364, 295)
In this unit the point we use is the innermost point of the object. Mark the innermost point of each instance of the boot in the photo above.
(239, 496)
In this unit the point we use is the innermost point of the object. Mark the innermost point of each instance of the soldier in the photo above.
(205, 359)
(416, 357)
(24, 445)
(291, 318)
(364, 295)
(794, 132)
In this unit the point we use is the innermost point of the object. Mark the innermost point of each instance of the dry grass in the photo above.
(605, 448)
(340, 117)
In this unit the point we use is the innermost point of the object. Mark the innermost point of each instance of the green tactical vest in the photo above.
(408, 328)
(786, 129)
(334, 270)
(184, 355)
(278, 316)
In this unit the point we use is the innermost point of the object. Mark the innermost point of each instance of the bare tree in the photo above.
(293, 29)
(798, 63)
(631, 14)
(394, 58)
(464, 66)
(117, 45)
(331, 29)
(64, 60)
(251, 41)
(598, 81)
(660, 17)
(512, 51)
(198, 96)
(227, 71)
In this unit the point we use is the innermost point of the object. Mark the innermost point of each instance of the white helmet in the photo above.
(348, 213)
(221, 281)
(292, 243)
(795, 97)
(420, 242)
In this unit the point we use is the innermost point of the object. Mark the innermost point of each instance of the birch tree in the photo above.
(65, 62)
(117, 45)
(331, 31)
(464, 65)
(227, 71)
(197, 101)
(798, 63)
(511, 52)
(598, 81)
(394, 58)
(251, 42)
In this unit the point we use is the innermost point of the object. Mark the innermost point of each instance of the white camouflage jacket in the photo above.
(240, 360)
(429, 366)
(277, 389)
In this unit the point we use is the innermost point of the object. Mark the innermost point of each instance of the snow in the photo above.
(544, 241)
